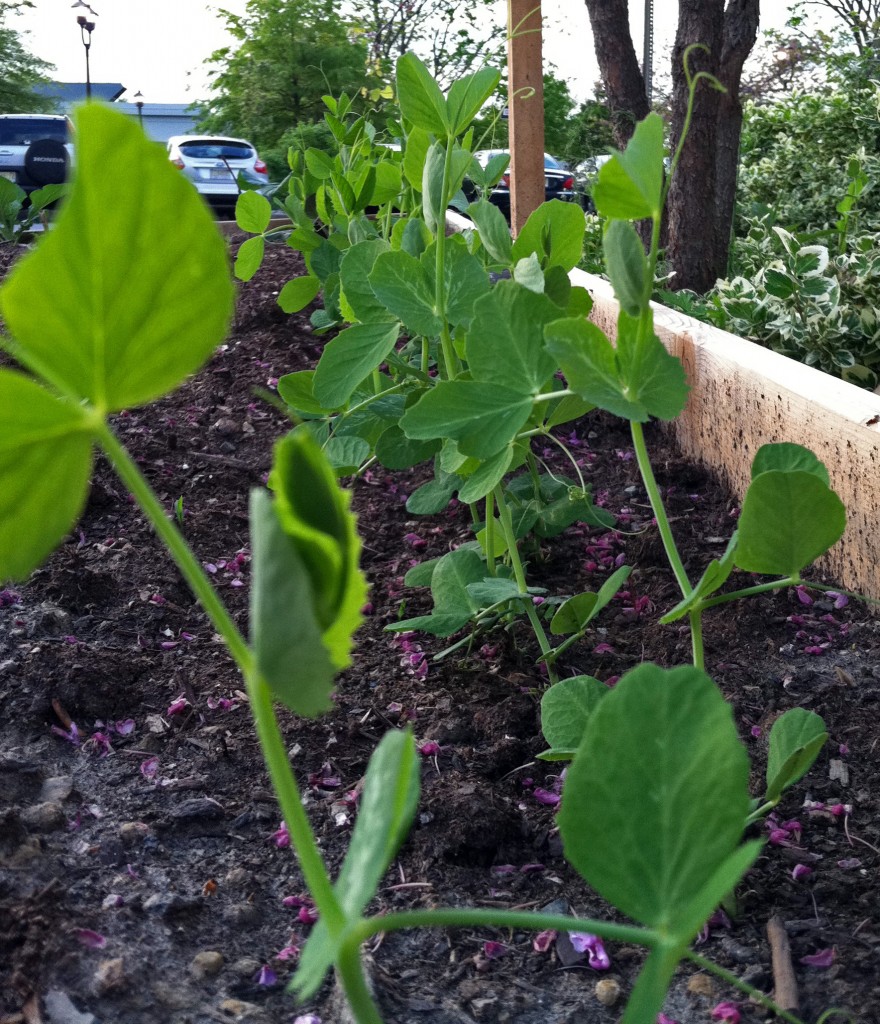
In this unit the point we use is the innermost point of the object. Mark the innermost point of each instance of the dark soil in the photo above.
(163, 844)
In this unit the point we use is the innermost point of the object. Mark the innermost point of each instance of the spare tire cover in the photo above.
(46, 161)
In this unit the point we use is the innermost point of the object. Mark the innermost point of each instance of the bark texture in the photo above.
(701, 200)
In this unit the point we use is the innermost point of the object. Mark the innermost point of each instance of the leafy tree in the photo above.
(861, 18)
(290, 53)
(449, 35)
(20, 70)
(701, 200)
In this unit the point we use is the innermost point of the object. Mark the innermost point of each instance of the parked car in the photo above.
(559, 181)
(35, 150)
(214, 164)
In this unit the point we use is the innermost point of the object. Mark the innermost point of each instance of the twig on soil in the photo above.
(858, 839)
(785, 984)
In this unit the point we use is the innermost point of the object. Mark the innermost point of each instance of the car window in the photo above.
(550, 161)
(22, 132)
(209, 150)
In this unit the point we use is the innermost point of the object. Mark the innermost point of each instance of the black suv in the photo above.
(35, 149)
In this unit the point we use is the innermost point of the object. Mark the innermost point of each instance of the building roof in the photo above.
(67, 93)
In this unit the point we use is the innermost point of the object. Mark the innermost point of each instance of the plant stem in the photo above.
(271, 740)
(490, 533)
(472, 917)
(520, 576)
(761, 588)
(742, 986)
(695, 617)
(653, 490)
(351, 976)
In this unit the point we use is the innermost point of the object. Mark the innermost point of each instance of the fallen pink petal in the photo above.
(493, 950)
(543, 941)
(800, 872)
(821, 958)
(544, 796)
(584, 942)
(281, 837)
(94, 940)
(266, 976)
(726, 1011)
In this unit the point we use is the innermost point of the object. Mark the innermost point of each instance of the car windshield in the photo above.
(22, 133)
(552, 162)
(212, 149)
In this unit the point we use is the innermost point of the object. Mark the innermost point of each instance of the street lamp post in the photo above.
(86, 28)
(139, 103)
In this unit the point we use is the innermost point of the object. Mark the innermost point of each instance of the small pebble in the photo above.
(246, 967)
(206, 964)
(607, 991)
(133, 831)
(45, 817)
(110, 976)
(57, 790)
(701, 985)
(238, 1009)
(242, 915)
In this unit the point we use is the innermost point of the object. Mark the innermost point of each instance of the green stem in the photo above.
(653, 490)
(473, 917)
(695, 617)
(761, 588)
(353, 980)
(761, 812)
(490, 534)
(743, 986)
(520, 576)
(271, 740)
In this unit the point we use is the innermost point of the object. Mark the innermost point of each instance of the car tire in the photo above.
(46, 162)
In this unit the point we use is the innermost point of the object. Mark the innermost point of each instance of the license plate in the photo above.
(220, 174)
(8, 175)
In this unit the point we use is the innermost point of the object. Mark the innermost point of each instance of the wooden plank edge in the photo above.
(743, 396)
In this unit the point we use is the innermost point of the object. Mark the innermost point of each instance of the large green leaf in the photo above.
(630, 184)
(135, 292)
(45, 464)
(298, 392)
(249, 256)
(482, 417)
(453, 604)
(788, 519)
(387, 808)
(505, 342)
(627, 266)
(253, 212)
(795, 741)
(493, 228)
(650, 373)
(298, 293)
(402, 285)
(656, 798)
(785, 455)
(421, 101)
(354, 271)
(349, 357)
(397, 451)
(467, 95)
(465, 280)
(565, 709)
(555, 232)
(484, 480)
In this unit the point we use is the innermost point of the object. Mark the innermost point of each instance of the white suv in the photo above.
(35, 149)
(214, 163)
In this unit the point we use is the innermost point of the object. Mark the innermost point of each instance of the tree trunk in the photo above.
(619, 67)
(702, 196)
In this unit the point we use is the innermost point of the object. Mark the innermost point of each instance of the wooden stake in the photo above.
(525, 77)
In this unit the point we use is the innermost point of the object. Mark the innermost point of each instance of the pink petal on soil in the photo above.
(584, 942)
(822, 958)
(661, 1017)
(125, 728)
(544, 796)
(800, 871)
(543, 941)
(150, 767)
(266, 976)
(288, 953)
(848, 863)
(94, 940)
(493, 950)
(429, 748)
(177, 705)
(307, 1018)
(726, 1011)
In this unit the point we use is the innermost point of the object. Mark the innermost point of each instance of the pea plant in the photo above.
(98, 325)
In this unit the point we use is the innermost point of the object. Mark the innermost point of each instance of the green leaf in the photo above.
(253, 212)
(565, 710)
(397, 451)
(651, 374)
(286, 638)
(45, 464)
(314, 514)
(402, 285)
(387, 808)
(354, 271)
(630, 184)
(569, 408)
(320, 164)
(418, 142)
(555, 231)
(435, 495)
(795, 741)
(487, 477)
(493, 590)
(716, 575)
(787, 456)
(656, 798)
(493, 228)
(779, 284)
(788, 519)
(433, 176)
(297, 391)
(627, 266)
(466, 282)
(349, 357)
(483, 418)
(298, 293)
(504, 345)
(346, 454)
(249, 256)
(42, 197)
(135, 294)
(421, 101)
(578, 612)
(453, 605)
(527, 273)
(467, 95)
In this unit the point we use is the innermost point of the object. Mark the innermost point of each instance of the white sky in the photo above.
(157, 46)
